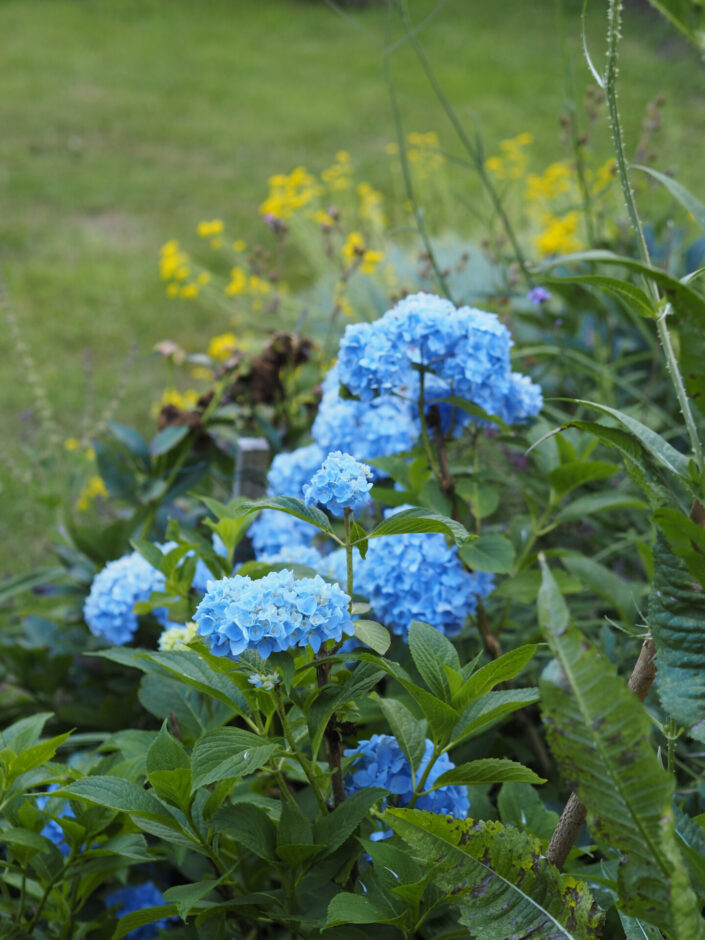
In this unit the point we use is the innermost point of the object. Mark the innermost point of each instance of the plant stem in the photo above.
(303, 761)
(349, 557)
(419, 788)
(671, 737)
(614, 15)
(424, 424)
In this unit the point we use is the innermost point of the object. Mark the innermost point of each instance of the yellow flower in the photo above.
(258, 285)
(208, 229)
(370, 260)
(186, 401)
(189, 291)
(289, 193)
(72, 443)
(354, 247)
(342, 156)
(238, 282)
(559, 235)
(222, 347)
(495, 165)
(201, 372)
(172, 290)
(553, 182)
(93, 488)
(391, 148)
(604, 176)
(89, 453)
(321, 217)
(239, 244)
(203, 278)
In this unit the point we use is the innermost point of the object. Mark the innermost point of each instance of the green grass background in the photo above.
(124, 122)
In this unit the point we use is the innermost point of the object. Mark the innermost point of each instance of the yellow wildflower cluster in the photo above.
(323, 217)
(287, 193)
(511, 164)
(354, 248)
(222, 347)
(94, 487)
(556, 180)
(239, 245)
(559, 235)
(209, 229)
(370, 204)
(186, 401)
(337, 176)
(73, 444)
(173, 262)
(340, 300)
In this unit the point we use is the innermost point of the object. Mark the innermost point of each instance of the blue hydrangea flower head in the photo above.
(290, 471)
(465, 350)
(132, 898)
(52, 830)
(382, 427)
(272, 614)
(382, 763)
(419, 577)
(295, 555)
(523, 401)
(108, 609)
(273, 532)
(341, 483)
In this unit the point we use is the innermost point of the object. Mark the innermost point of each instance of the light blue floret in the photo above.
(108, 609)
(290, 471)
(382, 763)
(341, 483)
(272, 614)
(419, 577)
(382, 427)
(273, 532)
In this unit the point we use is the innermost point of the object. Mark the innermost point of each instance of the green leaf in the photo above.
(487, 770)
(488, 710)
(475, 410)
(25, 732)
(229, 753)
(359, 538)
(31, 757)
(634, 296)
(11, 587)
(167, 439)
(585, 506)
(502, 669)
(407, 729)
(241, 508)
(347, 908)
(686, 539)
(520, 805)
(678, 191)
(147, 915)
(420, 520)
(251, 827)
(132, 441)
(118, 794)
(575, 473)
(491, 552)
(169, 769)
(599, 733)
(431, 650)
(498, 879)
(332, 830)
(483, 498)
(373, 634)
(364, 678)
(676, 615)
(686, 16)
(623, 595)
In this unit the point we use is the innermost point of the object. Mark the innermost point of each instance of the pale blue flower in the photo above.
(273, 532)
(272, 614)
(290, 471)
(341, 483)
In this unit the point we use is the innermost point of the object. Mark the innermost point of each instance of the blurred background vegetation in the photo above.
(126, 122)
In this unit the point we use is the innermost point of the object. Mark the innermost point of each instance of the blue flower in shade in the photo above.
(273, 532)
(382, 763)
(419, 577)
(341, 483)
(108, 609)
(290, 471)
(466, 353)
(132, 898)
(274, 613)
(203, 574)
(523, 401)
(382, 427)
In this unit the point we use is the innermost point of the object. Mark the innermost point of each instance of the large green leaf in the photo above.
(421, 520)
(599, 733)
(498, 878)
(227, 753)
(240, 508)
(676, 617)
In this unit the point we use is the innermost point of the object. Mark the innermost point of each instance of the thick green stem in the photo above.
(614, 17)
(303, 761)
(349, 558)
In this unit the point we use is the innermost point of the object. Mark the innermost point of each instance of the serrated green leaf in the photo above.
(332, 830)
(502, 669)
(420, 520)
(487, 770)
(481, 714)
(431, 650)
(407, 729)
(373, 634)
(229, 753)
(249, 826)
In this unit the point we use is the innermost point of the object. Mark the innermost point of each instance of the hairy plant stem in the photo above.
(575, 813)
(614, 16)
(303, 761)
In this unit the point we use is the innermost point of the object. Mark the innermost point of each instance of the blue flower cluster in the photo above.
(382, 763)
(108, 609)
(52, 830)
(295, 555)
(132, 898)
(384, 426)
(420, 577)
(290, 471)
(341, 483)
(273, 532)
(466, 350)
(274, 613)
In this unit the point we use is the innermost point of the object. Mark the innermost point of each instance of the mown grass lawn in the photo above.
(124, 122)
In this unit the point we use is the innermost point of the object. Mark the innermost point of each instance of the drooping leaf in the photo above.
(487, 770)
(676, 616)
(497, 878)
(420, 520)
(689, 202)
(599, 733)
